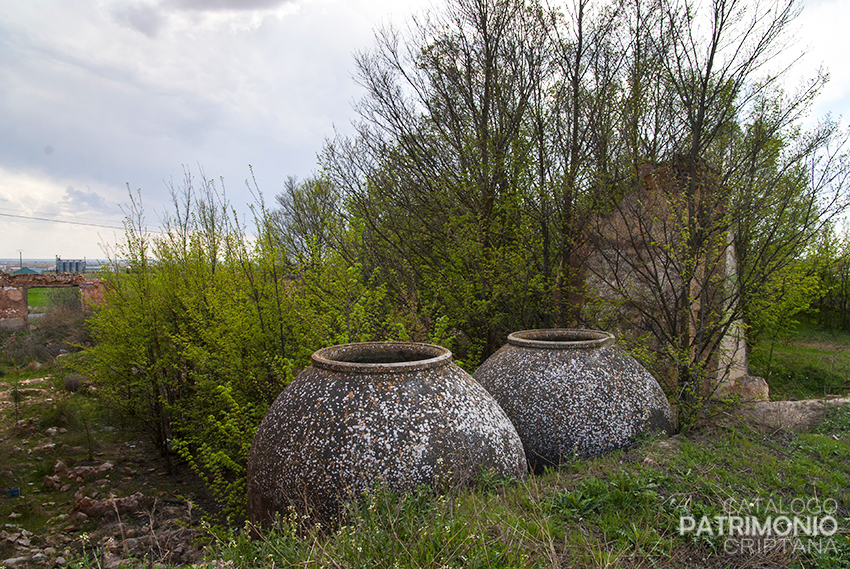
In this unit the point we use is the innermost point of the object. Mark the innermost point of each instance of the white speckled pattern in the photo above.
(573, 393)
(343, 426)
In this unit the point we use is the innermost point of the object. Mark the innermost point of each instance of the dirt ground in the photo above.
(71, 486)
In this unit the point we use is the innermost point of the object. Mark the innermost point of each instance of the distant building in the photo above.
(70, 265)
(25, 271)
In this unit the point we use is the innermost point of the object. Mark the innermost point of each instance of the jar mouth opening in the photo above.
(381, 357)
(561, 339)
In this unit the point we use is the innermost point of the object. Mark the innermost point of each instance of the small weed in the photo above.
(837, 421)
(17, 397)
(491, 481)
(625, 492)
(62, 414)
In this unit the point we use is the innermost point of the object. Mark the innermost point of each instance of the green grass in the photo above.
(46, 297)
(808, 363)
(10, 374)
(616, 511)
(39, 297)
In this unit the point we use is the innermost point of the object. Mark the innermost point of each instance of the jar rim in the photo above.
(561, 339)
(381, 357)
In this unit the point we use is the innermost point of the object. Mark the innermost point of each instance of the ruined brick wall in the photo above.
(92, 293)
(13, 307)
(637, 249)
(13, 294)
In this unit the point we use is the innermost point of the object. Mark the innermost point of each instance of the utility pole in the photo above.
(21, 253)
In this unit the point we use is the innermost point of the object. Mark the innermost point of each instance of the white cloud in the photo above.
(144, 17)
(31, 193)
(150, 17)
(235, 5)
(76, 200)
(98, 93)
(45, 217)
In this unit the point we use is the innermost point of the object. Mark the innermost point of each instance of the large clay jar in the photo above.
(399, 415)
(573, 393)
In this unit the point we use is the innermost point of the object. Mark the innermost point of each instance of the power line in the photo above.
(51, 215)
(61, 221)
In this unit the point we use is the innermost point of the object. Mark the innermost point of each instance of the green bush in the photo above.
(205, 327)
(61, 414)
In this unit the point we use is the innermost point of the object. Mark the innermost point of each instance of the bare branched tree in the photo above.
(731, 195)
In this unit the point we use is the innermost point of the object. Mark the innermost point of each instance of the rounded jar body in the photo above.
(399, 415)
(573, 394)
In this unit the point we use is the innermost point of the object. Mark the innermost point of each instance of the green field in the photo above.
(808, 363)
(42, 299)
(38, 297)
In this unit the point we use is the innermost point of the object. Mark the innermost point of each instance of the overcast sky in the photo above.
(98, 94)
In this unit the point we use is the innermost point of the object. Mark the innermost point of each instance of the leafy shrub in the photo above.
(74, 382)
(837, 420)
(207, 325)
(61, 414)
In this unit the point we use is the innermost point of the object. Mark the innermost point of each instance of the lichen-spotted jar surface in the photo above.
(573, 393)
(396, 414)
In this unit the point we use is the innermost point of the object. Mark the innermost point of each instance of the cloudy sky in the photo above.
(99, 94)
